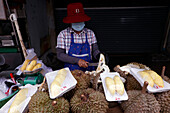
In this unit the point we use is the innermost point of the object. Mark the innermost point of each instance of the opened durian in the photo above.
(55, 86)
(24, 64)
(164, 97)
(41, 103)
(119, 85)
(156, 78)
(110, 84)
(131, 83)
(146, 77)
(140, 102)
(17, 103)
(88, 101)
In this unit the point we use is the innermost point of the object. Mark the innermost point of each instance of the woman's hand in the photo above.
(83, 63)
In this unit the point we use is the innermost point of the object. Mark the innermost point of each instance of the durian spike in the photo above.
(84, 97)
(40, 88)
(122, 73)
(144, 88)
(54, 102)
(163, 71)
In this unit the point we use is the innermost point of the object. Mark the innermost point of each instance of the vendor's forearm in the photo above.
(61, 55)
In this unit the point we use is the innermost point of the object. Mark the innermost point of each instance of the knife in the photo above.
(93, 64)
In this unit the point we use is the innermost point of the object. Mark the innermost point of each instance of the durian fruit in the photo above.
(83, 80)
(16, 104)
(119, 86)
(31, 65)
(138, 65)
(110, 84)
(164, 101)
(140, 102)
(156, 78)
(38, 101)
(55, 87)
(37, 66)
(88, 101)
(41, 103)
(146, 77)
(25, 65)
(61, 105)
(164, 97)
(131, 83)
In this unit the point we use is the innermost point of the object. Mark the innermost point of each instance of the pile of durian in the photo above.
(82, 99)
(85, 99)
(29, 65)
(139, 101)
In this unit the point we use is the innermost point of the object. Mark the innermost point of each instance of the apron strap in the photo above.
(72, 37)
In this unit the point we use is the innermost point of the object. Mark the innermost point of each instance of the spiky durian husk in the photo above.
(61, 106)
(164, 100)
(132, 83)
(83, 80)
(138, 65)
(41, 103)
(140, 103)
(95, 102)
(38, 102)
(167, 79)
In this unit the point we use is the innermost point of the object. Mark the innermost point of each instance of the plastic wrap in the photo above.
(21, 105)
(155, 88)
(109, 96)
(68, 84)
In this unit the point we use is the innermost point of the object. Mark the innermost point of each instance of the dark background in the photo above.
(126, 30)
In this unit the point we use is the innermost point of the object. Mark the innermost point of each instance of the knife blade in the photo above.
(93, 64)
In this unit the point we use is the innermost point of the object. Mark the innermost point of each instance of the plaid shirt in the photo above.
(64, 38)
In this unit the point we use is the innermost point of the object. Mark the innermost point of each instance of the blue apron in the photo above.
(81, 51)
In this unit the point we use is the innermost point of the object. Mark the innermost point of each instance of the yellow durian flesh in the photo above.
(20, 97)
(25, 65)
(110, 84)
(156, 78)
(31, 65)
(55, 89)
(146, 77)
(119, 85)
(37, 66)
(55, 86)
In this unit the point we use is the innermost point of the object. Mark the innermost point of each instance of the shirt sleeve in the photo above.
(60, 41)
(93, 39)
(96, 52)
(61, 55)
